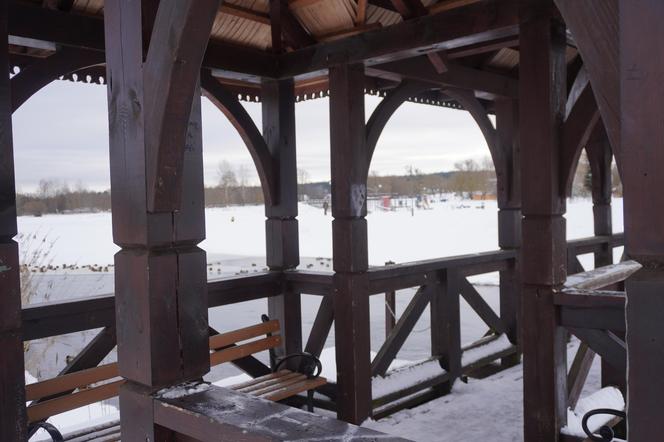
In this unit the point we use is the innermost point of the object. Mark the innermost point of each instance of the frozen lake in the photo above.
(235, 243)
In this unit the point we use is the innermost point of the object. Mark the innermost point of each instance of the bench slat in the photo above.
(242, 334)
(70, 381)
(59, 405)
(298, 377)
(240, 351)
(306, 385)
(267, 383)
(249, 383)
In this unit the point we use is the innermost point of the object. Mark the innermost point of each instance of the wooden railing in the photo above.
(592, 308)
(438, 282)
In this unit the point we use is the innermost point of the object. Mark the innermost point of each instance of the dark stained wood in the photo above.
(490, 85)
(311, 283)
(350, 248)
(509, 219)
(576, 132)
(234, 414)
(281, 226)
(604, 343)
(578, 373)
(543, 93)
(175, 54)
(320, 329)
(160, 273)
(386, 108)
(598, 318)
(600, 155)
(446, 325)
(37, 75)
(12, 378)
(87, 32)
(230, 106)
(286, 26)
(644, 352)
(452, 29)
(477, 303)
(586, 20)
(404, 326)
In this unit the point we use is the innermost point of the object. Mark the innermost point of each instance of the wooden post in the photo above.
(542, 104)
(390, 312)
(446, 325)
(642, 157)
(160, 273)
(281, 225)
(12, 378)
(599, 157)
(350, 247)
(509, 221)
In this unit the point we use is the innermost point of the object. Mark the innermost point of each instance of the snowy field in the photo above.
(235, 244)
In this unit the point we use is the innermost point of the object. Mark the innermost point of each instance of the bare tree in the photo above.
(227, 179)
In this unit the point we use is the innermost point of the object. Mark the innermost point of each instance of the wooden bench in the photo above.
(224, 347)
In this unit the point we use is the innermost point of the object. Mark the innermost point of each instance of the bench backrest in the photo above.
(225, 347)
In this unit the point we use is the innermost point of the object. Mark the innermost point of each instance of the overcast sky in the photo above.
(62, 133)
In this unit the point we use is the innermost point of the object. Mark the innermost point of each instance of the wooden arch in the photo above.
(385, 109)
(230, 106)
(35, 76)
(407, 89)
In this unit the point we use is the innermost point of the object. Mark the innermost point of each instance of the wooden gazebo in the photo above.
(559, 76)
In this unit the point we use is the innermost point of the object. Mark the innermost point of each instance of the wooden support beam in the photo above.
(281, 226)
(87, 32)
(480, 306)
(320, 330)
(237, 115)
(446, 325)
(641, 151)
(458, 76)
(42, 72)
(286, 26)
(587, 20)
(600, 158)
(509, 220)
(160, 273)
(13, 423)
(453, 29)
(578, 373)
(349, 242)
(385, 109)
(543, 93)
(576, 131)
(404, 326)
(171, 69)
(604, 343)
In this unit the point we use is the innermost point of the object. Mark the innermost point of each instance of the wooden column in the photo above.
(12, 380)
(509, 220)
(349, 236)
(642, 147)
(281, 231)
(157, 202)
(599, 156)
(541, 111)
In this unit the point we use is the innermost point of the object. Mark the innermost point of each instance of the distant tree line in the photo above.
(469, 178)
(56, 197)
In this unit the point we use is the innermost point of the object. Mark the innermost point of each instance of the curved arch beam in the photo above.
(231, 107)
(37, 75)
(576, 131)
(471, 104)
(384, 111)
(587, 20)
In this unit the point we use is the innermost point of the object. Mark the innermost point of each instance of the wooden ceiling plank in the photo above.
(246, 13)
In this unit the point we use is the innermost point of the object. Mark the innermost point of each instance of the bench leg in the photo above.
(310, 401)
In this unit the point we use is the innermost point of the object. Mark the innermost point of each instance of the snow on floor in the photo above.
(488, 409)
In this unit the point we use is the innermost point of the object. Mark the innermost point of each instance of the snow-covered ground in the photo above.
(481, 410)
